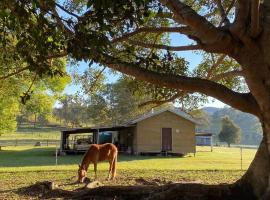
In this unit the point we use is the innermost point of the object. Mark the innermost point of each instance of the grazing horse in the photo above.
(96, 153)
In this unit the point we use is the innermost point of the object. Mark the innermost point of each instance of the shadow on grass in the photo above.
(46, 157)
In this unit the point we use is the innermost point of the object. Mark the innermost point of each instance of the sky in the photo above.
(176, 40)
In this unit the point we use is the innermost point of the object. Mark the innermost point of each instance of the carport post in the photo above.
(98, 136)
(241, 158)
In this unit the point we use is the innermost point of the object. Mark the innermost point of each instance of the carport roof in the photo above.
(96, 129)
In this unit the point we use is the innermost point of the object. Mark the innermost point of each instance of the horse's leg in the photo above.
(110, 168)
(114, 166)
(95, 169)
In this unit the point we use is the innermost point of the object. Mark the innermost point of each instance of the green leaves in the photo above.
(33, 35)
(230, 132)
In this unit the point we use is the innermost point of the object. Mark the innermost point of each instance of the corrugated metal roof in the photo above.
(151, 114)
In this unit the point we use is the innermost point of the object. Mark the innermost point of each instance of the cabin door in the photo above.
(166, 139)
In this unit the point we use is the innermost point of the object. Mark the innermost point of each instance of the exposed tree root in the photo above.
(164, 192)
(169, 192)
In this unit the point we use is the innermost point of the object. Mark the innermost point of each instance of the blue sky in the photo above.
(176, 40)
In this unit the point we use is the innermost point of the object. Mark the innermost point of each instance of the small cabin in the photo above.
(166, 131)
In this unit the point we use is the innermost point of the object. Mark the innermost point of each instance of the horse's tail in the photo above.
(114, 166)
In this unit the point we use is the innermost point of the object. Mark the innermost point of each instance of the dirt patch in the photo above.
(44, 190)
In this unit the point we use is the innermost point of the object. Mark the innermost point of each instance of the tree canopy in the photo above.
(230, 132)
(127, 36)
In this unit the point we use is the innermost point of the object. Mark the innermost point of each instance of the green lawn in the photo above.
(27, 165)
(28, 158)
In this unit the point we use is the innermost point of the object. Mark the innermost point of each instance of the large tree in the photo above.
(113, 34)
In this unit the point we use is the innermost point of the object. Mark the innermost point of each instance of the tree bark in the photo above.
(257, 175)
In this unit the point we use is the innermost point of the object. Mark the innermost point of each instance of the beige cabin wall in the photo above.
(148, 133)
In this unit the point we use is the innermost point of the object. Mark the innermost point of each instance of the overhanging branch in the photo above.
(242, 101)
(205, 31)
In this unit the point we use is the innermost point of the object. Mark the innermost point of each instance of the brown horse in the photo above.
(96, 153)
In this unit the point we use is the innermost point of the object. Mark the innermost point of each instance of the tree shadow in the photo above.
(38, 156)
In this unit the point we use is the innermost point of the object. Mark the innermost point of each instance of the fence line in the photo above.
(18, 142)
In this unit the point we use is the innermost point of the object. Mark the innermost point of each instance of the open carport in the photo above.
(78, 140)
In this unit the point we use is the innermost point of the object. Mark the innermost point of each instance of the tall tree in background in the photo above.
(230, 132)
(23, 92)
(113, 34)
(72, 110)
(39, 107)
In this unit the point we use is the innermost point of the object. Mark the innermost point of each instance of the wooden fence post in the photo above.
(56, 155)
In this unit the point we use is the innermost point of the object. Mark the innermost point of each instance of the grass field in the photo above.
(27, 165)
(31, 133)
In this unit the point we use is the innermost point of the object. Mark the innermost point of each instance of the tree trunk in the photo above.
(257, 176)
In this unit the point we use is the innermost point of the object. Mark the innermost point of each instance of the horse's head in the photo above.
(81, 173)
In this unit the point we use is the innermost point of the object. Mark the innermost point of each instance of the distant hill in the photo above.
(249, 124)
(211, 110)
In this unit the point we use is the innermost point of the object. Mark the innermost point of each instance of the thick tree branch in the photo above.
(242, 101)
(227, 75)
(183, 30)
(242, 13)
(206, 32)
(255, 17)
(166, 47)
